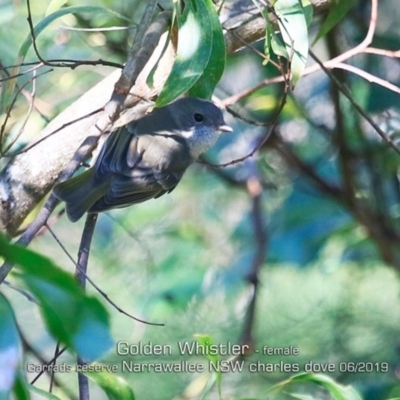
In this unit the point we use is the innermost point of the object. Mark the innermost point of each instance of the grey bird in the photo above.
(145, 158)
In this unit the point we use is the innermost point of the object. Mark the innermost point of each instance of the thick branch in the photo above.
(31, 175)
(244, 24)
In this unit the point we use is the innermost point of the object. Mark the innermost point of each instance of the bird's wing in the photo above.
(119, 147)
(145, 185)
(134, 179)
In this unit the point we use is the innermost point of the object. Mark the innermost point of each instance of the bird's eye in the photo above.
(198, 117)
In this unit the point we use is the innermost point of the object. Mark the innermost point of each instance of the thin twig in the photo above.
(383, 52)
(36, 64)
(262, 138)
(29, 348)
(52, 375)
(245, 119)
(359, 49)
(31, 146)
(28, 296)
(62, 63)
(80, 275)
(112, 110)
(255, 189)
(48, 363)
(8, 115)
(96, 287)
(359, 109)
(369, 77)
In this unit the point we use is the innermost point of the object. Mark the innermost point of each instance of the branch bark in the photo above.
(30, 176)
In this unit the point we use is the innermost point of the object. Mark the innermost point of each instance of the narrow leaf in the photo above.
(337, 12)
(42, 394)
(20, 390)
(293, 27)
(336, 390)
(308, 11)
(300, 396)
(115, 387)
(193, 53)
(267, 44)
(205, 86)
(208, 387)
(207, 342)
(277, 45)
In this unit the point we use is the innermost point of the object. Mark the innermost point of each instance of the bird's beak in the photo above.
(225, 128)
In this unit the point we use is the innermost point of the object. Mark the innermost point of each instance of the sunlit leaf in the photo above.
(114, 386)
(308, 11)
(193, 53)
(277, 45)
(205, 86)
(207, 342)
(336, 390)
(41, 394)
(300, 396)
(209, 385)
(293, 27)
(268, 44)
(74, 318)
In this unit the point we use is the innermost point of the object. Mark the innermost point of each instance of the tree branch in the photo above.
(31, 175)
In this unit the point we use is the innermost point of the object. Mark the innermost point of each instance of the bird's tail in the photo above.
(80, 193)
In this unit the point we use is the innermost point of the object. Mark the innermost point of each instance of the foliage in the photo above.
(322, 187)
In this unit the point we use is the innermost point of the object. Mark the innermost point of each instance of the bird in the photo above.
(144, 159)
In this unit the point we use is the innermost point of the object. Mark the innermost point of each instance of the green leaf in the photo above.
(41, 393)
(268, 44)
(207, 342)
(277, 45)
(77, 320)
(337, 391)
(194, 50)
(336, 14)
(115, 387)
(20, 390)
(308, 11)
(8, 89)
(9, 348)
(300, 396)
(205, 86)
(293, 27)
(208, 387)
